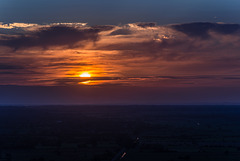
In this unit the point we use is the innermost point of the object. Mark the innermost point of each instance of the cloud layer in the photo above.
(203, 29)
(46, 37)
(137, 54)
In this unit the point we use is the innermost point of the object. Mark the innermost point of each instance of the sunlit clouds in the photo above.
(136, 54)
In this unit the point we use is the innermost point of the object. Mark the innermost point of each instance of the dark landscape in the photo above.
(113, 133)
(129, 80)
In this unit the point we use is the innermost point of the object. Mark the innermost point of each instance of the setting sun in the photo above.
(85, 75)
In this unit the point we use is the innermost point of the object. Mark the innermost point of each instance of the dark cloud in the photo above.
(192, 77)
(146, 24)
(68, 64)
(122, 32)
(150, 45)
(197, 77)
(226, 28)
(13, 68)
(176, 49)
(114, 80)
(103, 27)
(10, 66)
(12, 31)
(201, 29)
(231, 77)
(8, 73)
(19, 72)
(183, 48)
(76, 80)
(52, 36)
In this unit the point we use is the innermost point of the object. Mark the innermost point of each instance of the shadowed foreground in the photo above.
(112, 133)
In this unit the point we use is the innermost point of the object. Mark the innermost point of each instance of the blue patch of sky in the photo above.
(121, 11)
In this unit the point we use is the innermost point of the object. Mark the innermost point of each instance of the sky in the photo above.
(112, 12)
(119, 52)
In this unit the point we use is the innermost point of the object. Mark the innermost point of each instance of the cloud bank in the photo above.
(137, 54)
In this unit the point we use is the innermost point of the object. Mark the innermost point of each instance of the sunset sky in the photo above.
(119, 52)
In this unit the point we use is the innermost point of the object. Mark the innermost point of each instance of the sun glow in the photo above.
(85, 75)
(86, 82)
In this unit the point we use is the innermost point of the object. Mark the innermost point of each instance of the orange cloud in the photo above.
(137, 54)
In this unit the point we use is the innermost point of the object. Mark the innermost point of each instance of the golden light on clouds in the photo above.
(132, 54)
(85, 82)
